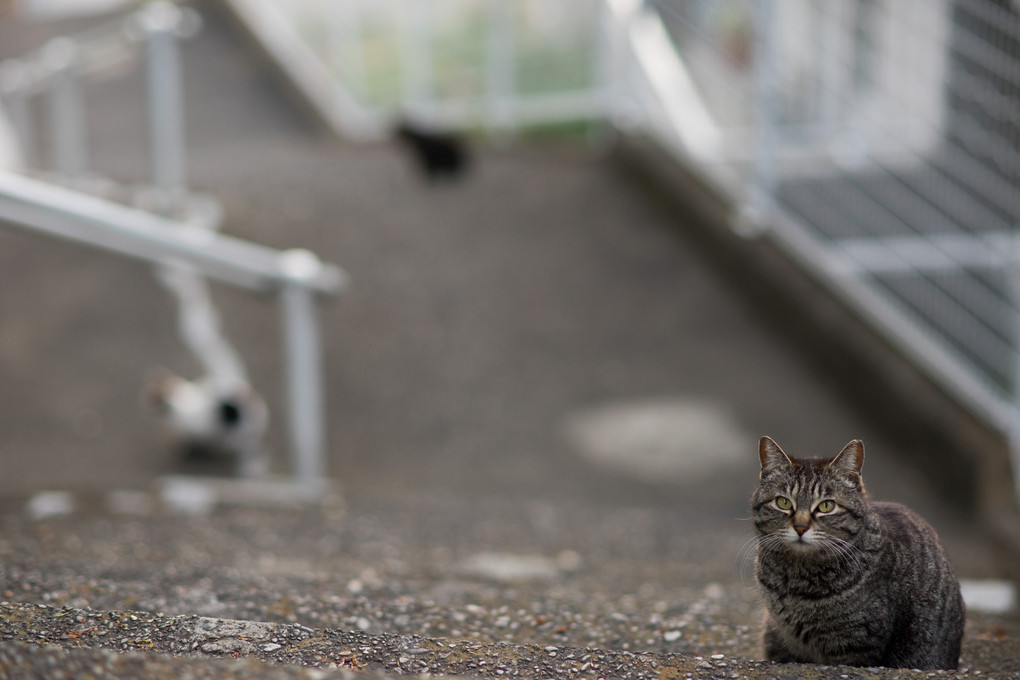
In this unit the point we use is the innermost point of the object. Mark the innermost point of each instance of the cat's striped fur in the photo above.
(845, 580)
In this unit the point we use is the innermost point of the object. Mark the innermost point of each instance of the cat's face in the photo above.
(808, 505)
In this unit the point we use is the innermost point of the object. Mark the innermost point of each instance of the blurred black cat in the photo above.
(440, 155)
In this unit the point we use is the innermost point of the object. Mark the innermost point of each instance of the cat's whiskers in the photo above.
(747, 554)
(845, 551)
(759, 547)
(752, 548)
(744, 557)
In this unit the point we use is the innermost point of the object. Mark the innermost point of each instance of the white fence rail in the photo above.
(177, 229)
(297, 275)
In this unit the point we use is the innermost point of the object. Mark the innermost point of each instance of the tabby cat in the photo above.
(846, 580)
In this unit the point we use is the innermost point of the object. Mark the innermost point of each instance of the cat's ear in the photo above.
(771, 456)
(850, 460)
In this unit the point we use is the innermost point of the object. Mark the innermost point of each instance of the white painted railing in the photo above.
(177, 230)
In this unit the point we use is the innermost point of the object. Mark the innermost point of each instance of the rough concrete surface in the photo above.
(473, 534)
(413, 585)
(378, 577)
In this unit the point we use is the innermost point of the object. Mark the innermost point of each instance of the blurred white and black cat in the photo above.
(218, 414)
(210, 419)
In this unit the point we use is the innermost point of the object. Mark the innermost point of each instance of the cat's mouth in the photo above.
(800, 541)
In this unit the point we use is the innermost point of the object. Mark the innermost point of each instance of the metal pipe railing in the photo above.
(166, 114)
(296, 275)
(66, 110)
(501, 69)
(181, 236)
(63, 212)
(302, 352)
(56, 71)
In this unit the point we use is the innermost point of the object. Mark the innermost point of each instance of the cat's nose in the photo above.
(801, 522)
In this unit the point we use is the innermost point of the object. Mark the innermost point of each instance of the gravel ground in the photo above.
(379, 654)
(50, 662)
(493, 589)
(628, 579)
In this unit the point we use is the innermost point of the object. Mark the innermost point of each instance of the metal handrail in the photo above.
(296, 275)
(70, 214)
(181, 235)
(100, 49)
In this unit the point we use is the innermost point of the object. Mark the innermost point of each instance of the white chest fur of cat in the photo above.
(846, 580)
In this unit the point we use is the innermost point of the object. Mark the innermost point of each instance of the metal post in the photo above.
(13, 81)
(501, 66)
(346, 47)
(609, 68)
(760, 201)
(304, 367)
(603, 73)
(166, 111)
(1014, 425)
(619, 17)
(833, 53)
(67, 113)
(416, 58)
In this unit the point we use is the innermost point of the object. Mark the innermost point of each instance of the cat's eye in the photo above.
(826, 506)
(783, 503)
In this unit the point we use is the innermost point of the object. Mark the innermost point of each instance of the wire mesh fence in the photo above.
(887, 134)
